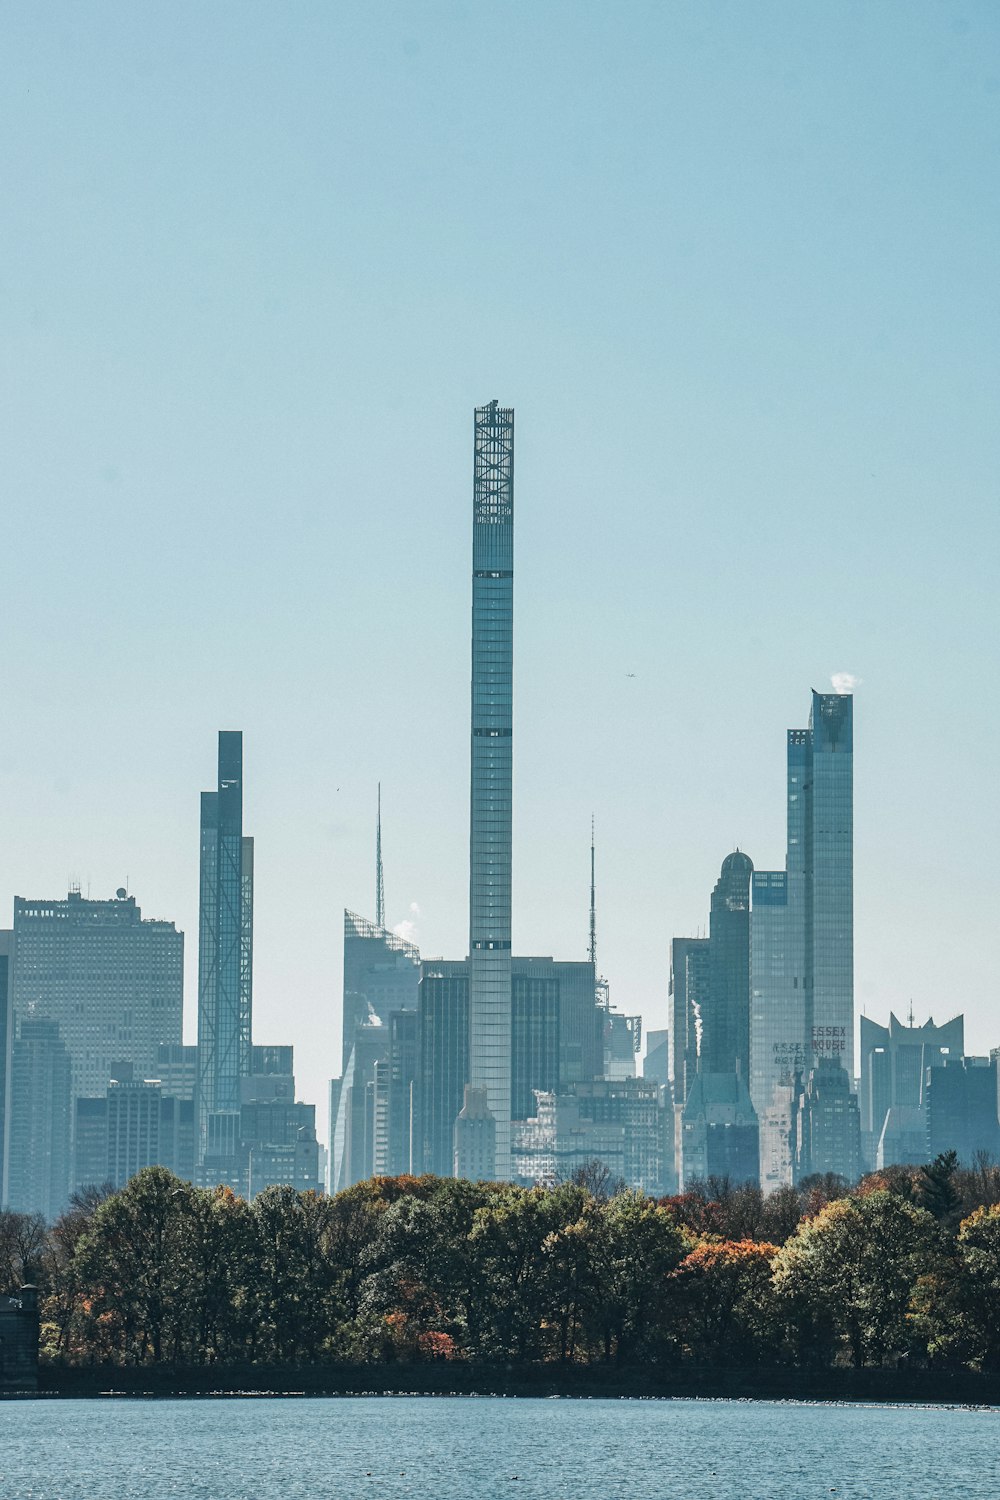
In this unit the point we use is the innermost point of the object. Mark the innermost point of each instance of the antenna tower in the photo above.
(592, 945)
(379, 882)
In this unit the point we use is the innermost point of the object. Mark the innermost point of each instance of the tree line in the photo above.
(902, 1269)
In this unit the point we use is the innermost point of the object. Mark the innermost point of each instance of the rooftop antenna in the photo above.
(911, 1015)
(592, 946)
(379, 882)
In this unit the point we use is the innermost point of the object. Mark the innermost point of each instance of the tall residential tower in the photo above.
(225, 961)
(491, 789)
(802, 934)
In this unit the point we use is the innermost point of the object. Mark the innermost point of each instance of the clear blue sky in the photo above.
(734, 264)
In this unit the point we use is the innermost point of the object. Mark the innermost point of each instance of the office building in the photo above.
(135, 1124)
(489, 970)
(637, 1105)
(688, 998)
(403, 1068)
(177, 1070)
(656, 1063)
(40, 1119)
(961, 1094)
(381, 974)
(802, 943)
(353, 1130)
(475, 1138)
(894, 1063)
(725, 1043)
(622, 1041)
(6, 1048)
(557, 1141)
(828, 1124)
(225, 965)
(443, 1062)
(718, 1135)
(112, 981)
(535, 1031)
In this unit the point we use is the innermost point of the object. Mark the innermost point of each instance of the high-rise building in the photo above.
(656, 1063)
(443, 1032)
(828, 1124)
(403, 1069)
(802, 942)
(40, 1113)
(962, 1109)
(381, 974)
(725, 1046)
(6, 1047)
(894, 1063)
(535, 1030)
(225, 963)
(718, 1135)
(489, 972)
(556, 1141)
(381, 979)
(689, 975)
(112, 981)
(353, 1126)
(636, 1104)
(177, 1070)
(475, 1138)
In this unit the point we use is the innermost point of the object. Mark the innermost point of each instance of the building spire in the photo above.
(379, 882)
(592, 945)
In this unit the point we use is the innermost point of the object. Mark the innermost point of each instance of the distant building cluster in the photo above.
(96, 1080)
(490, 1065)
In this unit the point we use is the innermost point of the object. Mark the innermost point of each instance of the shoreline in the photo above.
(232, 1382)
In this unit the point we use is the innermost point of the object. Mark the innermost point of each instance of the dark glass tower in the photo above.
(726, 1043)
(225, 958)
(491, 792)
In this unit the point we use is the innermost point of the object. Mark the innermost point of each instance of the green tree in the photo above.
(936, 1190)
(510, 1316)
(641, 1245)
(133, 1269)
(848, 1275)
(958, 1306)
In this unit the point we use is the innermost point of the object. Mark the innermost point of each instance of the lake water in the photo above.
(475, 1448)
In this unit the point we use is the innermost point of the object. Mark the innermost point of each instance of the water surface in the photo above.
(475, 1448)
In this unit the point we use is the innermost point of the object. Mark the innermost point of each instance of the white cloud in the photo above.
(408, 929)
(844, 682)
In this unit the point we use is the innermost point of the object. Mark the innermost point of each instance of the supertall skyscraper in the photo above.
(802, 932)
(491, 789)
(225, 959)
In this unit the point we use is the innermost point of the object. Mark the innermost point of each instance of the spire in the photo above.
(592, 946)
(379, 882)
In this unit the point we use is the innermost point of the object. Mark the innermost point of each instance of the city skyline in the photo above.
(741, 294)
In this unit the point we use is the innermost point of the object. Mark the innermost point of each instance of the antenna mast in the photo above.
(592, 946)
(379, 882)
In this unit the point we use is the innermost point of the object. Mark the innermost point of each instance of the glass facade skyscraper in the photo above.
(491, 754)
(689, 975)
(225, 958)
(381, 974)
(726, 1041)
(802, 932)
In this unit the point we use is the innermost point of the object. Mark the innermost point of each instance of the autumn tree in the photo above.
(723, 1305)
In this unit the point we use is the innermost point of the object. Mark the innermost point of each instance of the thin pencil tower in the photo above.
(592, 945)
(491, 790)
(379, 881)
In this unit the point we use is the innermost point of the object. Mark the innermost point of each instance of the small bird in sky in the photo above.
(629, 674)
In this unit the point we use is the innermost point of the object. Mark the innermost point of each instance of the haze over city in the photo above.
(735, 270)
